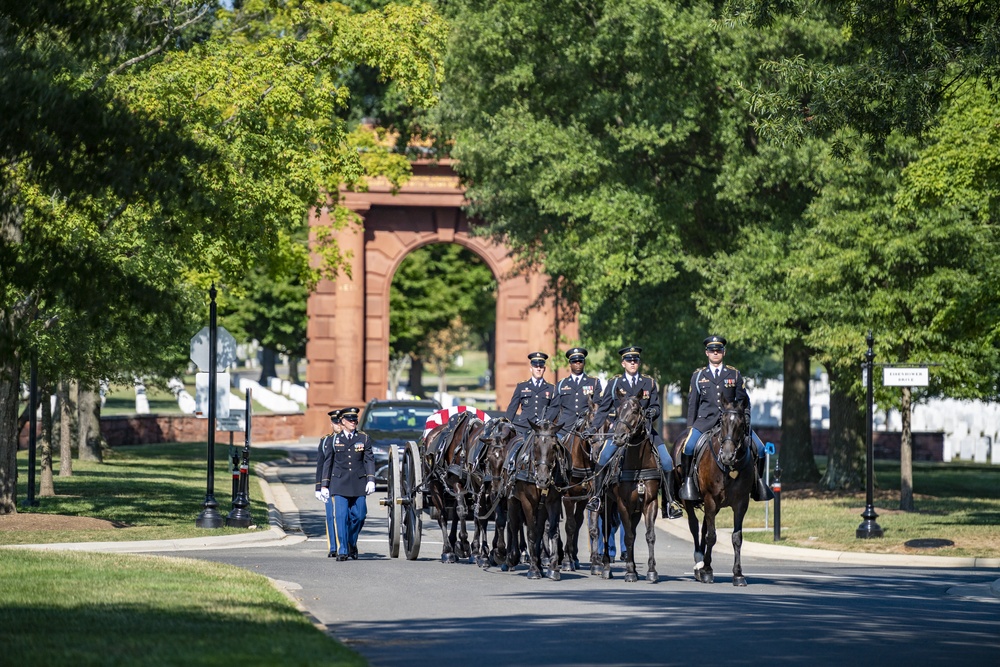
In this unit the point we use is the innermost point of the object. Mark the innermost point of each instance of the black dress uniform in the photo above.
(572, 400)
(644, 387)
(707, 393)
(323, 454)
(350, 468)
(532, 398)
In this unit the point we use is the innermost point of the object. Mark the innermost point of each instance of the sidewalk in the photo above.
(285, 529)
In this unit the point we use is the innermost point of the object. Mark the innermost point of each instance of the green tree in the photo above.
(904, 60)
(150, 148)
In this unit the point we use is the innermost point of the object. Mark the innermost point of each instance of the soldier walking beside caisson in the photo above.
(349, 476)
(323, 455)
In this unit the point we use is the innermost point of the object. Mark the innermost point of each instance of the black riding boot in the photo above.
(760, 491)
(688, 490)
(670, 509)
(594, 503)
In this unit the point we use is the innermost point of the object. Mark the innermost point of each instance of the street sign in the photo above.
(236, 421)
(225, 349)
(905, 377)
(221, 395)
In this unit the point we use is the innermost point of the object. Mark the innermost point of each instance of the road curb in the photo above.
(678, 528)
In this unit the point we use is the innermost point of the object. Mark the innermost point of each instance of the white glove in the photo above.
(369, 488)
(319, 497)
(325, 492)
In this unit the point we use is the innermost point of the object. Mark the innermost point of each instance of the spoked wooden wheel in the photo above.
(394, 501)
(411, 477)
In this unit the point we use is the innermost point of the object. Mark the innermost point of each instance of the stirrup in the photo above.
(689, 491)
(594, 504)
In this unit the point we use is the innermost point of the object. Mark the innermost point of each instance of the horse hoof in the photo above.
(448, 558)
(739, 581)
(534, 575)
(707, 578)
(631, 577)
(652, 577)
(566, 567)
(554, 575)
(505, 568)
(594, 570)
(606, 574)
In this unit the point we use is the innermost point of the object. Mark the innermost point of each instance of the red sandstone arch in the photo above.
(348, 331)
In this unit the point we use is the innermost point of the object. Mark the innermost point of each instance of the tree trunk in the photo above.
(906, 456)
(267, 366)
(47, 487)
(293, 369)
(797, 461)
(90, 441)
(442, 371)
(489, 342)
(416, 376)
(845, 451)
(68, 426)
(10, 398)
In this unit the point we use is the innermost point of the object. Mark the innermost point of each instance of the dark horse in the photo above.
(490, 488)
(445, 451)
(724, 473)
(636, 489)
(535, 498)
(582, 465)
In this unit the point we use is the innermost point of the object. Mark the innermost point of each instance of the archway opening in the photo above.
(442, 327)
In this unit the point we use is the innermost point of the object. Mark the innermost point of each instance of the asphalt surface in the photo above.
(801, 604)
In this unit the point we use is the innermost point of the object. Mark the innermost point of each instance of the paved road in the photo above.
(423, 612)
(801, 606)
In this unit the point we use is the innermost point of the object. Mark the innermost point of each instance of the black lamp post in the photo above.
(869, 528)
(210, 517)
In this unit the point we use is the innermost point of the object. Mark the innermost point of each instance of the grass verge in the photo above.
(81, 609)
(954, 502)
(147, 492)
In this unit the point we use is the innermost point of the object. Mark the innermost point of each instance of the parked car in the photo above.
(390, 422)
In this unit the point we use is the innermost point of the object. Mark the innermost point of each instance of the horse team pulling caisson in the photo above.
(526, 472)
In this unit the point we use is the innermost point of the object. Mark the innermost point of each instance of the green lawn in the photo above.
(80, 609)
(151, 491)
(959, 502)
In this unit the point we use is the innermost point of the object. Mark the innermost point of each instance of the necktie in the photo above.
(716, 373)
(632, 381)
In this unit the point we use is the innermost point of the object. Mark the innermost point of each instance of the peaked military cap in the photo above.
(334, 415)
(576, 352)
(630, 350)
(715, 341)
(538, 356)
(349, 412)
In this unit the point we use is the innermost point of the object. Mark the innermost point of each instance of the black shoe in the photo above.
(673, 511)
(353, 552)
(594, 504)
(341, 558)
(332, 554)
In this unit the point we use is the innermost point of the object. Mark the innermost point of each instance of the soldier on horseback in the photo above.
(532, 397)
(574, 393)
(709, 386)
(619, 388)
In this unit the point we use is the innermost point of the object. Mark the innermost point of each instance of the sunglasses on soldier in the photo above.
(350, 418)
(538, 363)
